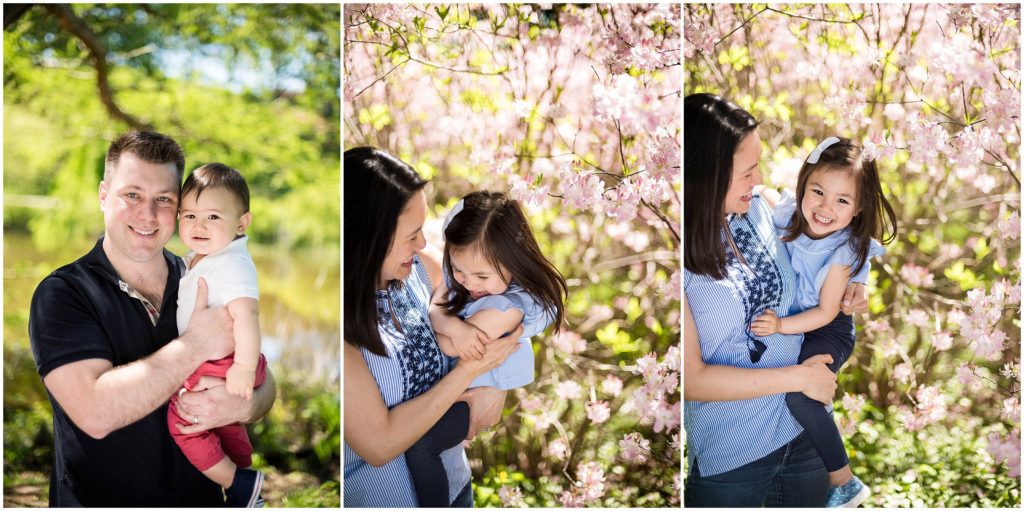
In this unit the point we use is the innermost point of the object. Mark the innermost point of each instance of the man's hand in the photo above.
(240, 381)
(766, 324)
(485, 406)
(210, 330)
(210, 401)
(855, 299)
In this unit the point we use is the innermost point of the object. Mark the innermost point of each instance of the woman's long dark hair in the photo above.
(377, 188)
(876, 218)
(494, 223)
(712, 130)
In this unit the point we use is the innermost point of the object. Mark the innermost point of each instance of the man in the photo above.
(106, 345)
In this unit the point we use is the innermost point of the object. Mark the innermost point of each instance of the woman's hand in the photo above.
(855, 299)
(485, 406)
(495, 353)
(467, 340)
(819, 381)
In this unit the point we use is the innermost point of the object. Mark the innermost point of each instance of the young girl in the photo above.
(828, 229)
(495, 278)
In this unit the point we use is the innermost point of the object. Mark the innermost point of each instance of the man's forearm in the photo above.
(101, 399)
(263, 398)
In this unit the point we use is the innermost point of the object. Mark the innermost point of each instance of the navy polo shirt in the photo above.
(80, 312)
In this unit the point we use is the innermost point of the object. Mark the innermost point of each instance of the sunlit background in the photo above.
(253, 86)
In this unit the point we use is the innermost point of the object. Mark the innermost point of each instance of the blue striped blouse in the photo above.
(414, 363)
(723, 436)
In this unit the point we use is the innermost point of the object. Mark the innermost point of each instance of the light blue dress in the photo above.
(414, 364)
(723, 436)
(811, 258)
(517, 369)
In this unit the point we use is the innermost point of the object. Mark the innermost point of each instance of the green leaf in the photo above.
(442, 11)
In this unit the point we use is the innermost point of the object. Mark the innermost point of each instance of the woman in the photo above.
(397, 381)
(745, 448)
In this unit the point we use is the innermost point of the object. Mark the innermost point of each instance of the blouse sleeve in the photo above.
(784, 210)
(846, 256)
(535, 318)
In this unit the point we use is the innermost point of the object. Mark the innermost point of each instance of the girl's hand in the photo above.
(819, 381)
(494, 354)
(468, 341)
(766, 324)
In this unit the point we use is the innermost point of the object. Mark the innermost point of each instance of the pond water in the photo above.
(299, 300)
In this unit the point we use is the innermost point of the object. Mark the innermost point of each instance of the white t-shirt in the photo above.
(230, 274)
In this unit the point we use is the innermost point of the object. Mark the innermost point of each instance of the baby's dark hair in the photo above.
(217, 175)
(496, 225)
(875, 217)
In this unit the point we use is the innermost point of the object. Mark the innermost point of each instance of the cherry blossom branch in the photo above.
(1006, 165)
(400, 64)
(823, 20)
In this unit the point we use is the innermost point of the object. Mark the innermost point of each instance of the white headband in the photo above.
(451, 214)
(825, 144)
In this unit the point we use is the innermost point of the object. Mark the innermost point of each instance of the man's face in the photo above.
(140, 205)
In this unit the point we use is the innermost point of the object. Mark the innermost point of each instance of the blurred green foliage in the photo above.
(285, 142)
(936, 467)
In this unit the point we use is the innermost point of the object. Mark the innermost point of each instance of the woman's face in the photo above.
(746, 174)
(407, 242)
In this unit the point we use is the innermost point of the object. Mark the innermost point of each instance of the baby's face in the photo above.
(212, 221)
(471, 269)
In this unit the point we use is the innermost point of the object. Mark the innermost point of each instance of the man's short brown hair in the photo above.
(217, 175)
(148, 146)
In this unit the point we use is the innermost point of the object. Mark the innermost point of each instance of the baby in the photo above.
(212, 221)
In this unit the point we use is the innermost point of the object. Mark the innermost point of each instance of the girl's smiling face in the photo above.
(473, 271)
(829, 202)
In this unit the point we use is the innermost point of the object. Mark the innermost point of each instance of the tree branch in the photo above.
(98, 56)
(13, 13)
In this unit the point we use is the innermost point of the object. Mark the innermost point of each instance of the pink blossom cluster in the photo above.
(1006, 449)
(598, 411)
(1010, 227)
(634, 448)
(589, 487)
(931, 408)
(917, 276)
(569, 342)
(511, 496)
(657, 400)
(980, 325)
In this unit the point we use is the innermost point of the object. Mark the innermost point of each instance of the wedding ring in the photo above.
(195, 419)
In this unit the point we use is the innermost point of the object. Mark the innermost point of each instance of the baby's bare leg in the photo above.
(223, 473)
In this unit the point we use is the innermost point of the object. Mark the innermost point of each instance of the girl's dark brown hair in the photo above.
(875, 218)
(495, 224)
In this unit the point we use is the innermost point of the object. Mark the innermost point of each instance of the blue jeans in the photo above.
(465, 497)
(792, 476)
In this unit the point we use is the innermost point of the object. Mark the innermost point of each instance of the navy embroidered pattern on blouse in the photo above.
(420, 359)
(763, 283)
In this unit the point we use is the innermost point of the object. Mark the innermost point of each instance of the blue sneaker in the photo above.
(850, 494)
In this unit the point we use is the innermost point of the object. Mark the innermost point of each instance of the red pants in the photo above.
(205, 448)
